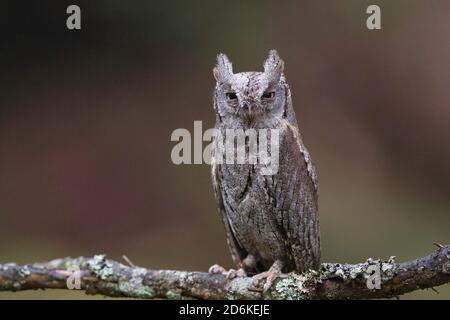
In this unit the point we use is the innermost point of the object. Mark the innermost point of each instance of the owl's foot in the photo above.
(230, 274)
(270, 276)
(216, 269)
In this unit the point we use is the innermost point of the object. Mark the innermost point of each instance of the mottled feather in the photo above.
(268, 217)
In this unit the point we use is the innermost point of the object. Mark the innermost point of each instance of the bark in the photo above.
(98, 275)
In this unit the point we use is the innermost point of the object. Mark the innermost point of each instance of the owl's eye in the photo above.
(231, 96)
(268, 94)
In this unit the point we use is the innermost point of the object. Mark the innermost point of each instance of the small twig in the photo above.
(131, 264)
(437, 244)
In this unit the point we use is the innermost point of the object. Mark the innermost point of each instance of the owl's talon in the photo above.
(230, 274)
(270, 275)
(254, 289)
(217, 269)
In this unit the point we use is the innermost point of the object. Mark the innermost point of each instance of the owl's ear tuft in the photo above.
(223, 71)
(273, 66)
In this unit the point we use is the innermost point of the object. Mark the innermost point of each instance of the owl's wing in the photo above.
(294, 193)
(237, 252)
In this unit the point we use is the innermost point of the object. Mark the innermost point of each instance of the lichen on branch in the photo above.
(98, 275)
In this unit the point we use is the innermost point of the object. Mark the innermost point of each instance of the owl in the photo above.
(271, 220)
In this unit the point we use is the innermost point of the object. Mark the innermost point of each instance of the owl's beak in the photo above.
(250, 110)
(247, 107)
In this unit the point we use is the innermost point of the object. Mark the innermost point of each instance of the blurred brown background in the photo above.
(86, 118)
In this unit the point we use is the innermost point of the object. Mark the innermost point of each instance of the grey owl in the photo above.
(271, 221)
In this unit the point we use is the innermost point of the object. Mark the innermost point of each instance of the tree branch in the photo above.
(98, 275)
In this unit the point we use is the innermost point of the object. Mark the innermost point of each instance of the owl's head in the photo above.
(250, 99)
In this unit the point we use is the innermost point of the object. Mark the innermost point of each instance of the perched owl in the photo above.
(271, 220)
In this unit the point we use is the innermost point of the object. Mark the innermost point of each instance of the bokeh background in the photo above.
(86, 118)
